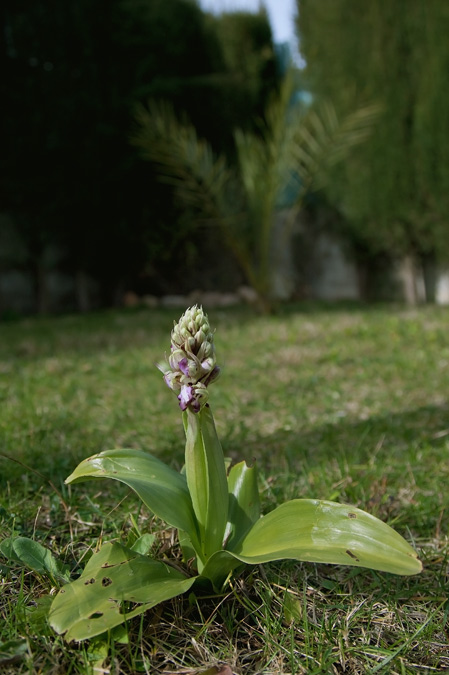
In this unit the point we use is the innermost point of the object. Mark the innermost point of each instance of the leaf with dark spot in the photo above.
(352, 555)
(87, 608)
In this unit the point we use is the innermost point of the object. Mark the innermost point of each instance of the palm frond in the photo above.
(201, 179)
(322, 140)
(292, 154)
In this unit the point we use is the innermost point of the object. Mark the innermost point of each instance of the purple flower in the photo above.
(183, 366)
(186, 396)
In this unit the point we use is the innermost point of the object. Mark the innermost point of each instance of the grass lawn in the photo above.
(346, 404)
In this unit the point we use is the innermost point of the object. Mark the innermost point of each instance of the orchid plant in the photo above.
(216, 512)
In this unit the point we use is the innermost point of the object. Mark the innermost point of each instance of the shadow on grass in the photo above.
(356, 440)
(394, 466)
(40, 337)
(63, 442)
(54, 448)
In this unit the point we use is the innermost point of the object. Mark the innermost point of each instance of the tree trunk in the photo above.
(283, 273)
(408, 275)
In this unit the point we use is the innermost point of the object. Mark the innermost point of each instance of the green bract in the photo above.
(216, 513)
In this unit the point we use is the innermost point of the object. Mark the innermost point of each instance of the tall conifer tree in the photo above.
(394, 191)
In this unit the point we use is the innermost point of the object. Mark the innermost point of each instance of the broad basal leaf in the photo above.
(244, 505)
(93, 603)
(219, 568)
(326, 532)
(143, 544)
(7, 550)
(34, 556)
(163, 490)
(206, 478)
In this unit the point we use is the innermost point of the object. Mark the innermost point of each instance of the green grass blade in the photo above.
(325, 532)
(92, 604)
(163, 490)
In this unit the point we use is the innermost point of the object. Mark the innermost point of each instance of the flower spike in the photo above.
(191, 365)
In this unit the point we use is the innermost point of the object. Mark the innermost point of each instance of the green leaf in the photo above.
(326, 532)
(219, 568)
(188, 552)
(244, 506)
(186, 161)
(206, 478)
(292, 608)
(321, 140)
(7, 550)
(34, 556)
(143, 544)
(163, 490)
(97, 654)
(37, 615)
(201, 180)
(13, 651)
(92, 604)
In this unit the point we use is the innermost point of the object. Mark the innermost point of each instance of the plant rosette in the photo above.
(216, 513)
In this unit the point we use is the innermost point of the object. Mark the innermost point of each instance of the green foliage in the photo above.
(291, 154)
(206, 480)
(34, 556)
(394, 190)
(244, 505)
(318, 531)
(351, 416)
(310, 530)
(70, 181)
(92, 604)
(301, 529)
(12, 651)
(163, 490)
(251, 70)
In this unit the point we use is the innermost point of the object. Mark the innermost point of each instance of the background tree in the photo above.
(251, 71)
(394, 192)
(275, 168)
(71, 182)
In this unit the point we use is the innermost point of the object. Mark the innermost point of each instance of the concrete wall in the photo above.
(310, 263)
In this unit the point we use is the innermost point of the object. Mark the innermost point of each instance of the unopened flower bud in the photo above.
(204, 351)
